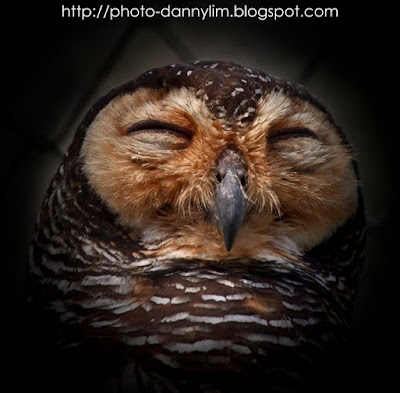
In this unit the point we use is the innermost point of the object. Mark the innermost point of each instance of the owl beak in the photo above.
(230, 202)
(230, 207)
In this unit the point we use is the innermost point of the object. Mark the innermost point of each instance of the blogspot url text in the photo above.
(210, 12)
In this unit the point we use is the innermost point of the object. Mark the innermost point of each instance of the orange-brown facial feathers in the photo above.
(305, 166)
(152, 158)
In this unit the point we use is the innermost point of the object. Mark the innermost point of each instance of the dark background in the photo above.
(55, 68)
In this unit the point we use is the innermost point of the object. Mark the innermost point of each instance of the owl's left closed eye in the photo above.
(291, 132)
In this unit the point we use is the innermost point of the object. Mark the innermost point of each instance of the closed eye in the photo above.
(158, 126)
(291, 132)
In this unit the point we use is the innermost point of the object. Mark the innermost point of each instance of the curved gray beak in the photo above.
(230, 207)
(230, 203)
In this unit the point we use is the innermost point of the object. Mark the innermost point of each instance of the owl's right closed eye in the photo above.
(207, 219)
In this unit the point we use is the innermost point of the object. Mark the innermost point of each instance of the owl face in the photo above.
(250, 169)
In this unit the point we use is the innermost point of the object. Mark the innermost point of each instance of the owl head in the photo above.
(212, 160)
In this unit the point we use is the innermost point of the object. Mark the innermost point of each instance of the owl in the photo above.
(204, 232)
